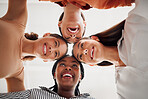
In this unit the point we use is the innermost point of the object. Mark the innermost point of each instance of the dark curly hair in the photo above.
(55, 87)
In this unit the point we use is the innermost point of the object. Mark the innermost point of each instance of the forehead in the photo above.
(68, 59)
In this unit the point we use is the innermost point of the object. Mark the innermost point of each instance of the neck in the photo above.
(66, 93)
(71, 12)
(111, 54)
(27, 47)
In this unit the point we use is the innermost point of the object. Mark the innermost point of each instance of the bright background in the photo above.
(42, 18)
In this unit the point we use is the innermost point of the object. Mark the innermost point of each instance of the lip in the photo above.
(44, 49)
(91, 52)
(67, 75)
(73, 30)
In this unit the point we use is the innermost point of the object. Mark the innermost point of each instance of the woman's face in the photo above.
(88, 51)
(68, 72)
(50, 48)
(72, 30)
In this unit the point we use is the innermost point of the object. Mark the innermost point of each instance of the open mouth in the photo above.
(73, 30)
(67, 76)
(45, 49)
(92, 53)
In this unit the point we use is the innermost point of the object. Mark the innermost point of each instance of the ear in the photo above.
(84, 22)
(46, 34)
(95, 38)
(59, 23)
(45, 60)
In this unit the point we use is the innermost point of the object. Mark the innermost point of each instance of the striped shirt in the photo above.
(43, 93)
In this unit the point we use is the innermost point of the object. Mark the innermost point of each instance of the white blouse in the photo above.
(132, 80)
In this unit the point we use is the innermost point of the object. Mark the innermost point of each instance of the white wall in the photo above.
(43, 17)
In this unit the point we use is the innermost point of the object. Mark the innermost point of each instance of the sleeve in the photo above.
(106, 4)
(15, 95)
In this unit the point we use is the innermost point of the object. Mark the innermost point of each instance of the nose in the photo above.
(72, 36)
(51, 49)
(68, 68)
(85, 51)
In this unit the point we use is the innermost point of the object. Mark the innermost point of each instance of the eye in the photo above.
(67, 38)
(82, 44)
(78, 38)
(62, 64)
(74, 65)
(81, 57)
(56, 54)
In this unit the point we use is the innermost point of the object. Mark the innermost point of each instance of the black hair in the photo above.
(34, 36)
(61, 17)
(109, 37)
(55, 87)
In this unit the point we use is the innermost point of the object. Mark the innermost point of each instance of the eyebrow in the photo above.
(63, 61)
(78, 44)
(74, 62)
(67, 37)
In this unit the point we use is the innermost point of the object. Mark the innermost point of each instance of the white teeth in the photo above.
(92, 52)
(68, 75)
(45, 49)
(73, 31)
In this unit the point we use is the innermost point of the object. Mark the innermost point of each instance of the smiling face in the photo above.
(72, 29)
(67, 73)
(88, 51)
(50, 47)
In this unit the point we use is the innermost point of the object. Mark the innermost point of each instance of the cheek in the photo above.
(63, 30)
(57, 73)
(78, 76)
(86, 59)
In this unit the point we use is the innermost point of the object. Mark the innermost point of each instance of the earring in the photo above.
(45, 60)
(92, 64)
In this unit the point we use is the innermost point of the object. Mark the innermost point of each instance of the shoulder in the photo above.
(85, 96)
(15, 95)
(43, 93)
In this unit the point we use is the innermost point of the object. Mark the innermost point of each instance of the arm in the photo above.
(17, 11)
(16, 83)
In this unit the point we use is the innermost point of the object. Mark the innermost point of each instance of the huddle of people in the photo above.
(124, 45)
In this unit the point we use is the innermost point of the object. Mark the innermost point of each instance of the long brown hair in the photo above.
(110, 37)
